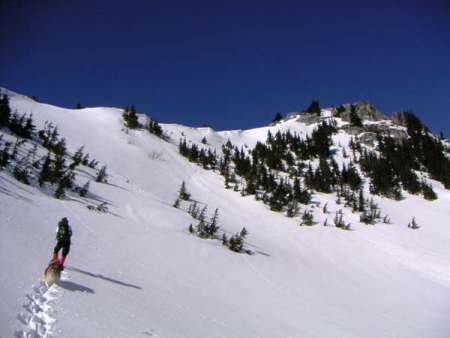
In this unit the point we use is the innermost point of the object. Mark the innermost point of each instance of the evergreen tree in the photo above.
(44, 134)
(351, 177)
(4, 155)
(14, 124)
(67, 179)
(53, 140)
(85, 160)
(92, 164)
(409, 179)
(413, 224)
(384, 180)
(84, 189)
(59, 167)
(29, 157)
(130, 117)
(59, 148)
(224, 239)
(355, 120)
(236, 242)
(202, 227)
(60, 191)
(5, 111)
(21, 173)
(16, 148)
(414, 126)
(193, 209)
(301, 195)
(292, 210)
(202, 214)
(307, 218)
(46, 172)
(338, 220)
(324, 177)
(154, 128)
(321, 141)
(399, 159)
(77, 158)
(314, 108)
(361, 201)
(428, 192)
(183, 194)
(101, 175)
(278, 117)
(339, 111)
(372, 215)
(213, 227)
(366, 218)
(29, 127)
(243, 233)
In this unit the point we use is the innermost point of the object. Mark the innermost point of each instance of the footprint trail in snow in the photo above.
(37, 319)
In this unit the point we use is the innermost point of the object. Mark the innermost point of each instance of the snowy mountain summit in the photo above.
(331, 222)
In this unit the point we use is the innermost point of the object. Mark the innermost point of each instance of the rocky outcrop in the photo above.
(308, 118)
(399, 119)
(352, 130)
(368, 138)
(368, 133)
(300, 117)
(365, 110)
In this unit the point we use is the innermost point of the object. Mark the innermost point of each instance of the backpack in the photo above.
(64, 232)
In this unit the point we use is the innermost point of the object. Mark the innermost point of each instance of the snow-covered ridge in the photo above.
(136, 271)
(292, 122)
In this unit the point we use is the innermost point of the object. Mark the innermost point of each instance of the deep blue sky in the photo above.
(232, 65)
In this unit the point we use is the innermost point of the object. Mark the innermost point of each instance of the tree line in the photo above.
(56, 168)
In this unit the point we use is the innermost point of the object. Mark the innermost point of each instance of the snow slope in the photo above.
(136, 272)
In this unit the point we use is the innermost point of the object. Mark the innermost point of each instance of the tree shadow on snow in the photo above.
(13, 194)
(108, 279)
(92, 178)
(86, 173)
(86, 201)
(254, 248)
(90, 197)
(71, 286)
(116, 186)
(94, 197)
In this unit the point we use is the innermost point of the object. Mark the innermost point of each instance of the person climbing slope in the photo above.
(63, 235)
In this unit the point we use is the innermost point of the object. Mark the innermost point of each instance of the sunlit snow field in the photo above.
(137, 272)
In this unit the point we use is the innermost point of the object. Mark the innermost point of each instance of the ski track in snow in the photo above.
(37, 319)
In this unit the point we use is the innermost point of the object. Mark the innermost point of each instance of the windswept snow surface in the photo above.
(136, 272)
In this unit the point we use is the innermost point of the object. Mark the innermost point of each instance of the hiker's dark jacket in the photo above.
(63, 232)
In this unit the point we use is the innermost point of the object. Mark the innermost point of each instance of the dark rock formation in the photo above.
(308, 118)
(363, 109)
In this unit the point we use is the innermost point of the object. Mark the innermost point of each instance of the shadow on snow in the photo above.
(108, 279)
(71, 286)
